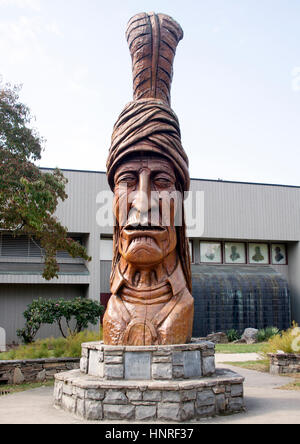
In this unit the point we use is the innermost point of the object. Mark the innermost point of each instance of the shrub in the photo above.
(233, 335)
(265, 334)
(284, 341)
(41, 311)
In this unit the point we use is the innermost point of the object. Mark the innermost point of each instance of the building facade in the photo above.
(245, 254)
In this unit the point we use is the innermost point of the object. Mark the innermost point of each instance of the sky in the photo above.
(236, 87)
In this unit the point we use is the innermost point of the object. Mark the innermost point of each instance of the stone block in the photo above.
(203, 412)
(220, 403)
(58, 391)
(115, 397)
(188, 395)
(93, 410)
(145, 413)
(209, 366)
(96, 368)
(178, 372)
(118, 412)
(113, 360)
(177, 358)
(137, 366)
(18, 377)
(68, 389)
(235, 405)
(162, 359)
(114, 371)
(205, 398)
(188, 411)
(152, 395)
(79, 392)
(134, 395)
(237, 390)
(84, 365)
(84, 352)
(68, 403)
(218, 389)
(80, 407)
(171, 396)
(95, 395)
(169, 412)
(162, 371)
(41, 376)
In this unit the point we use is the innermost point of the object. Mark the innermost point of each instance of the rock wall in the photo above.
(39, 370)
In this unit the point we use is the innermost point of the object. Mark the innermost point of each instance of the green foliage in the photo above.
(233, 335)
(69, 347)
(29, 197)
(265, 334)
(286, 341)
(79, 311)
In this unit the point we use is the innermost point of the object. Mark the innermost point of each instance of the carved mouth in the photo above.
(142, 228)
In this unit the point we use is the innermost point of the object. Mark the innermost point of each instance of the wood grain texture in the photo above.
(153, 39)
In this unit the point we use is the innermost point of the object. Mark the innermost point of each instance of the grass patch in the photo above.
(6, 390)
(292, 385)
(52, 348)
(259, 366)
(240, 348)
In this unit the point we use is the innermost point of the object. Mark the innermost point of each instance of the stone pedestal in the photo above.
(158, 383)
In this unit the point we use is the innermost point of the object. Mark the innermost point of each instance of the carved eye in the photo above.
(128, 179)
(163, 181)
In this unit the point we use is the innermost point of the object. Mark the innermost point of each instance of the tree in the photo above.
(60, 311)
(28, 196)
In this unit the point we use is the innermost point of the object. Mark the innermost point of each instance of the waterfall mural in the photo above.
(239, 297)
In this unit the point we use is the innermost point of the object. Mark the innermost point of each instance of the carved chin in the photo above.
(143, 251)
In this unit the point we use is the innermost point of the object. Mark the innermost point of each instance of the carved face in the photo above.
(143, 211)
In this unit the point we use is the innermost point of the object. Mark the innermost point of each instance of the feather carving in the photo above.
(153, 39)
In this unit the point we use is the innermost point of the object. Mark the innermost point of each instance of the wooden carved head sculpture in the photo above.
(151, 302)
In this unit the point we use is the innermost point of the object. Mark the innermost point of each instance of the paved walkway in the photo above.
(265, 403)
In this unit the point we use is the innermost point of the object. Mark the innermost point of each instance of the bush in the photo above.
(233, 335)
(69, 347)
(284, 341)
(265, 334)
(41, 311)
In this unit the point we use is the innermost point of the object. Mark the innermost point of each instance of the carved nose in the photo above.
(142, 200)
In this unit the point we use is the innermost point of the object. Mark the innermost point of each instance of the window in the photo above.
(279, 254)
(211, 252)
(235, 253)
(259, 253)
(106, 249)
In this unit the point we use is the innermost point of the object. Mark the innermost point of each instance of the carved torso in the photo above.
(149, 316)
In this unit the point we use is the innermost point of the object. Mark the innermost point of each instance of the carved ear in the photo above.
(153, 39)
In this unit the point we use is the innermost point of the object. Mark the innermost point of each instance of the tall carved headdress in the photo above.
(153, 39)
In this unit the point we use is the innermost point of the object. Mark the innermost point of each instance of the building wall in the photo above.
(14, 299)
(249, 211)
